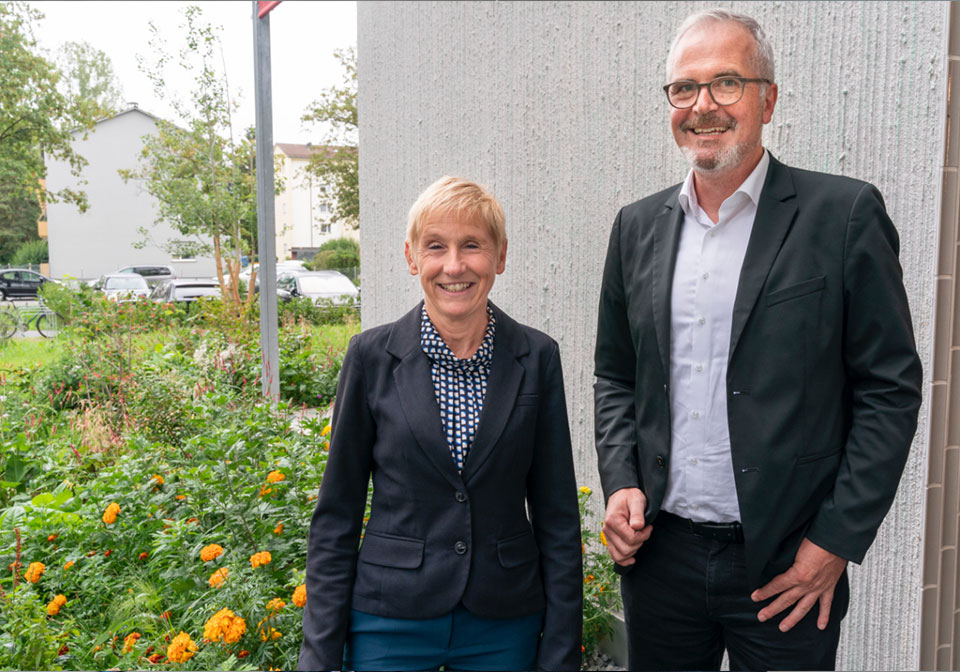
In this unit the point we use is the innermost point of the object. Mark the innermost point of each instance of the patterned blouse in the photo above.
(459, 384)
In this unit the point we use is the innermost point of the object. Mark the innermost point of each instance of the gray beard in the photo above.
(718, 162)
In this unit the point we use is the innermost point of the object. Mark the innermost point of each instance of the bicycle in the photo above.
(21, 318)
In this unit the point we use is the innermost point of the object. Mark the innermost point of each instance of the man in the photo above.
(757, 380)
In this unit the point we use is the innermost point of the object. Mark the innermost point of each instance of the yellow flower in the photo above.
(585, 490)
(130, 641)
(158, 478)
(276, 604)
(35, 571)
(211, 552)
(261, 558)
(588, 578)
(326, 430)
(68, 565)
(268, 632)
(110, 515)
(603, 538)
(300, 596)
(275, 477)
(224, 627)
(278, 529)
(218, 577)
(53, 608)
(181, 649)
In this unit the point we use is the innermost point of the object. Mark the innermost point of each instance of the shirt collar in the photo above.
(751, 187)
(437, 350)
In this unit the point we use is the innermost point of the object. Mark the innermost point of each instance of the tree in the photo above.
(88, 79)
(201, 176)
(36, 119)
(18, 221)
(336, 254)
(338, 165)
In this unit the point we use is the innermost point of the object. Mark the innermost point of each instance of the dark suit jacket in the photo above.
(436, 538)
(823, 378)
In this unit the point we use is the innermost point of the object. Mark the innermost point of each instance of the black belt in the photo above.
(730, 532)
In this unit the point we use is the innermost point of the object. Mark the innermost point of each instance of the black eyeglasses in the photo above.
(723, 90)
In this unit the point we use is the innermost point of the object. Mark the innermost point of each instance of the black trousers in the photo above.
(687, 600)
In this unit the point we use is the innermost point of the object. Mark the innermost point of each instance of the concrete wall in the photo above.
(103, 239)
(557, 107)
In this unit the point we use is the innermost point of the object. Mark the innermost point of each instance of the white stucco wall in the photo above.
(557, 108)
(106, 237)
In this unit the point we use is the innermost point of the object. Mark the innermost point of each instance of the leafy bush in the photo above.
(336, 254)
(34, 252)
(601, 586)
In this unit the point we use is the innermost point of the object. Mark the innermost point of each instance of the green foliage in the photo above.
(37, 122)
(19, 212)
(28, 641)
(336, 109)
(601, 586)
(88, 79)
(32, 252)
(336, 254)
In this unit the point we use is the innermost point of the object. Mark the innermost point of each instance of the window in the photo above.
(324, 227)
(324, 208)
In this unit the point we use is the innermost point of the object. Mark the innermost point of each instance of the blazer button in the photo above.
(660, 461)
(460, 548)
(460, 497)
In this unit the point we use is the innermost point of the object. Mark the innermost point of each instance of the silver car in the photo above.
(123, 287)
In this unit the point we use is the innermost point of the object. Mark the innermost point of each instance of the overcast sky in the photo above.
(303, 36)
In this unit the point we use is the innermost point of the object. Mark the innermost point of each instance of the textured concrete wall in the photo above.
(557, 107)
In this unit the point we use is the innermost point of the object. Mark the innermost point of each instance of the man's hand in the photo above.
(811, 579)
(624, 525)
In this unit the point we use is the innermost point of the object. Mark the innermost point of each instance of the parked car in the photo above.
(184, 290)
(153, 274)
(315, 285)
(20, 283)
(123, 287)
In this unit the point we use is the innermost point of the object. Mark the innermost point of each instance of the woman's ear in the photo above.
(408, 253)
(502, 260)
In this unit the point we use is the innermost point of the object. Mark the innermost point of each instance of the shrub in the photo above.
(336, 254)
(32, 252)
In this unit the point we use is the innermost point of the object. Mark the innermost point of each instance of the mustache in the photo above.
(708, 121)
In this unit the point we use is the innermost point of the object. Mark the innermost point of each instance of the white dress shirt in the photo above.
(700, 484)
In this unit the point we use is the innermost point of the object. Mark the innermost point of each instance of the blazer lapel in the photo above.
(775, 215)
(503, 384)
(417, 398)
(666, 240)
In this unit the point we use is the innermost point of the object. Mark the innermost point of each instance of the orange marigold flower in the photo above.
(35, 571)
(224, 626)
(63, 650)
(68, 564)
(144, 555)
(130, 641)
(588, 578)
(192, 520)
(243, 653)
(275, 477)
(181, 497)
(211, 552)
(276, 604)
(158, 478)
(268, 633)
(603, 538)
(107, 553)
(278, 529)
(52, 537)
(181, 649)
(155, 658)
(261, 558)
(300, 596)
(265, 491)
(326, 430)
(53, 608)
(218, 577)
(110, 514)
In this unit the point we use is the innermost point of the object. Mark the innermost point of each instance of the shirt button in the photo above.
(460, 548)
(694, 506)
(695, 414)
(693, 460)
(660, 461)
(713, 234)
(460, 497)
(701, 320)
(706, 275)
(699, 368)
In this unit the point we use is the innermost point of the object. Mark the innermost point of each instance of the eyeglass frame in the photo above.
(743, 87)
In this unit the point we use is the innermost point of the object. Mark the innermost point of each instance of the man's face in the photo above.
(718, 139)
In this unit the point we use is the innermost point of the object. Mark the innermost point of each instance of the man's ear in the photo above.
(769, 102)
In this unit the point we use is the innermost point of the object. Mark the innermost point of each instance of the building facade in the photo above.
(557, 108)
(108, 235)
(302, 210)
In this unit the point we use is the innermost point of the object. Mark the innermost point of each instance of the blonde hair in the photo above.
(462, 198)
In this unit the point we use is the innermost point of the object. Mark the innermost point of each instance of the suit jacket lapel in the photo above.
(666, 241)
(775, 215)
(503, 384)
(417, 398)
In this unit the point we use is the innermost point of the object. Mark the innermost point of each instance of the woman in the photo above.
(458, 412)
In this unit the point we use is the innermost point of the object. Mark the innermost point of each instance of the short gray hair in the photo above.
(762, 60)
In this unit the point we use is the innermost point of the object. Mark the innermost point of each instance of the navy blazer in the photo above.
(436, 537)
(823, 379)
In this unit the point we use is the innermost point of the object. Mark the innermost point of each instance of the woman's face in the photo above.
(457, 261)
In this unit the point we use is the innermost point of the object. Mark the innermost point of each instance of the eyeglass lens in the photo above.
(724, 91)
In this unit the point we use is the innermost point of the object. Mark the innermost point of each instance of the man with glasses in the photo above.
(757, 380)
